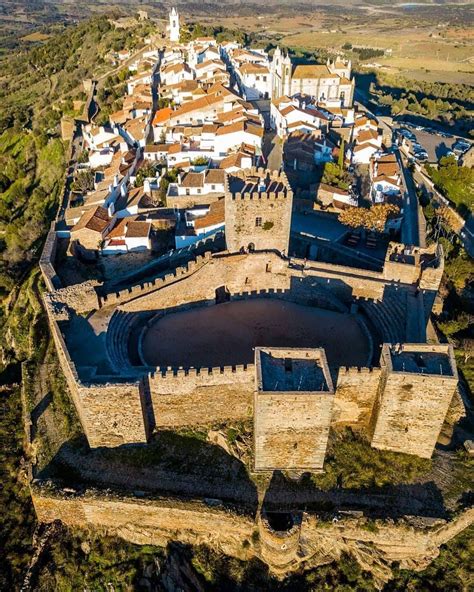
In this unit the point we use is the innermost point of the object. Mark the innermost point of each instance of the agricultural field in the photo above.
(420, 46)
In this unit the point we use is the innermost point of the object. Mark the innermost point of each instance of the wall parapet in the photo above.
(47, 259)
(169, 372)
(127, 294)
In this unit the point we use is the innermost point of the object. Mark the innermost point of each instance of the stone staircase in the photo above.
(122, 326)
(388, 316)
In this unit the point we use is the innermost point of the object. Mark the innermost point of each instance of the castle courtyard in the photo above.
(225, 334)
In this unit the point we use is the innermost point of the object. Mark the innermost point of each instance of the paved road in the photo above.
(410, 226)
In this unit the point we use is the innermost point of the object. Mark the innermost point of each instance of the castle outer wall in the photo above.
(117, 410)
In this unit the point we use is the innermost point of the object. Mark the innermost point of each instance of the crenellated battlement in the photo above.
(167, 373)
(347, 370)
(262, 195)
(156, 283)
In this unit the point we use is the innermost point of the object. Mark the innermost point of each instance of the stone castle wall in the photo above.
(412, 407)
(202, 396)
(291, 429)
(355, 398)
(110, 414)
(255, 273)
(225, 529)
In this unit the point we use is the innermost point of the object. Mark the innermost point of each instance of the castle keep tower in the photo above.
(293, 404)
(174, 25)
(418, 383)
(258, 206)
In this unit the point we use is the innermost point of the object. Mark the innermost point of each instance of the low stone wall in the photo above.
(228, 530)
(47, 259)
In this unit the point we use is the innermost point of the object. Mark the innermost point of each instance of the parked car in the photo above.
(461, 146)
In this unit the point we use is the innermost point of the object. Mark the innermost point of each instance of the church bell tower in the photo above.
(174, 25)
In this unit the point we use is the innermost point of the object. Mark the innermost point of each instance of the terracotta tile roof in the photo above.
(385, 178)
(208, 63)
(240, 126)
(233, 160)
(366, 136)
(174, 148)
(175, 68)
(118, 231)
(311, 71)
(209, 128)
(97, 219)
(162, 115)
(157, 148)
(286, 110)
(253, 69)
(192, 180)
(300, 123)
(331, 189)
(136, 229)
(233, 115)
(183, 86)
(215, 215)
(215, 176)
(219, 89)
(203, 103)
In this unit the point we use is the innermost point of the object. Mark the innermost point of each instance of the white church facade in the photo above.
(327, 83)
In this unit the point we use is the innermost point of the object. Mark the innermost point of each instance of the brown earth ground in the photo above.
(226, 334)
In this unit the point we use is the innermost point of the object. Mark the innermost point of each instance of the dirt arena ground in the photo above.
(226, 334)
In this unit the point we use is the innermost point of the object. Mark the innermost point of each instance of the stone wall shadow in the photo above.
(424, 500)
(171, 464)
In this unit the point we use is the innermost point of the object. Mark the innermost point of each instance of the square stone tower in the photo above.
(418, 383)
(258, 206)
(293, 404)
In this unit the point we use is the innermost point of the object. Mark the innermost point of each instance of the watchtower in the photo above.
(258, 206)
(293, 404)
(418, 383)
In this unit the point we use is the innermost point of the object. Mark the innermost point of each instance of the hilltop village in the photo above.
(240, 244)
(219, 109)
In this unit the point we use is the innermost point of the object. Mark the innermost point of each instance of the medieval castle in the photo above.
(245, 323)
(295, 391)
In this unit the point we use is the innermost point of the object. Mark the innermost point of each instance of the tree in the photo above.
(340, 160)
(83, 182)
(374, 218)
(147, 170)
(455, 182)
(335, 176)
